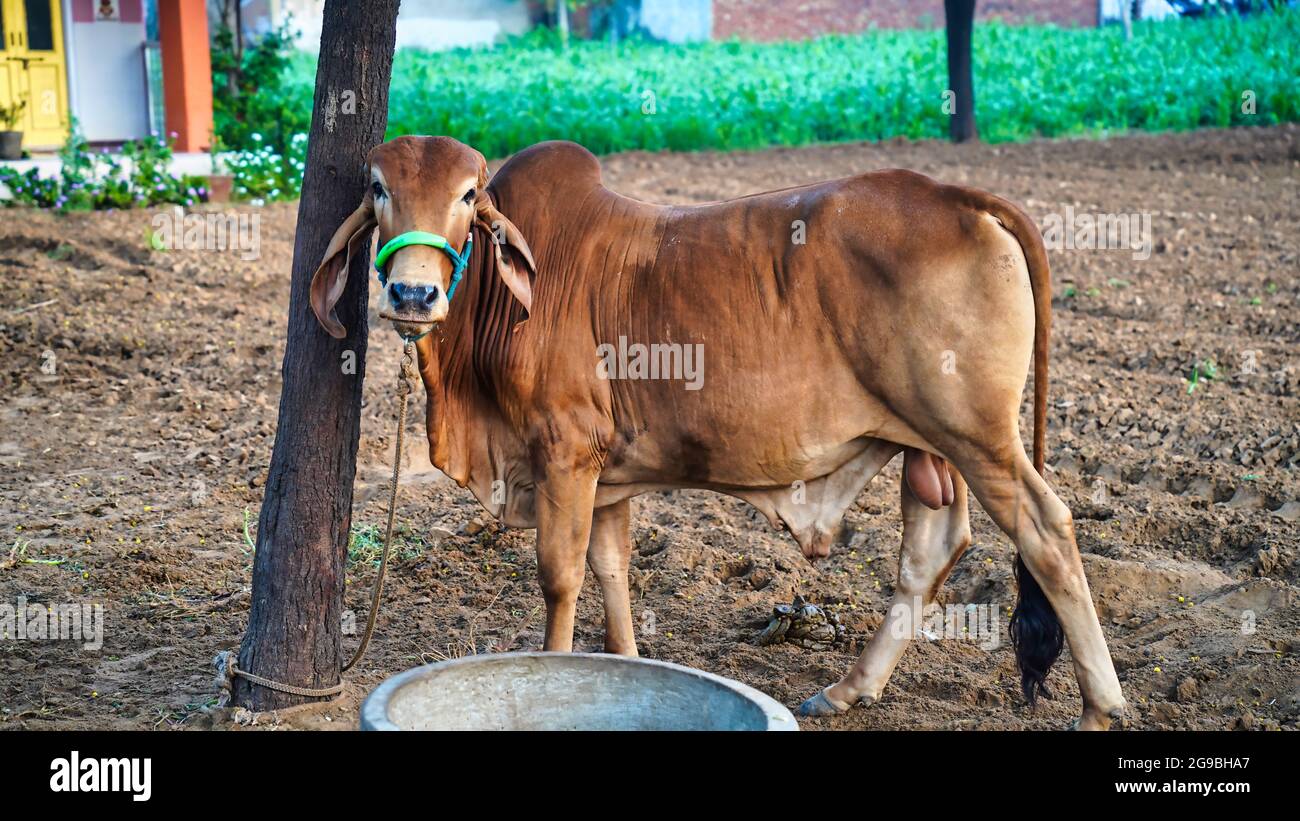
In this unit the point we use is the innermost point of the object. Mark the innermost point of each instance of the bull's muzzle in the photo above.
(417, 307)
(412, 300)
(414, 309)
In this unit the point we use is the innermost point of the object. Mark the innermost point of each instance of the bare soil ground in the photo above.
(130, 471)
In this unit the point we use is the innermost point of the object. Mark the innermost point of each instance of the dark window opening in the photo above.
(40, 25)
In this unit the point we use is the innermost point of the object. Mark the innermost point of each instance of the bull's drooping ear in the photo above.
(514, 258)
(331, 277)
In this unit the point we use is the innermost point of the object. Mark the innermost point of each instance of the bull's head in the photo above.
(425, 196)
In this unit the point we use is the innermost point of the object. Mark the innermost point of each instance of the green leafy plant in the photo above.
(137, 177)
(259, 122)
(264, 174)
(1203, 369)
(250, 84)
(366, 545)
(11, 114)
(1035, 81)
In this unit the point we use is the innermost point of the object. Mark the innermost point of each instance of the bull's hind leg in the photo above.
(1021, 503)
(608, 555)
(933, 541)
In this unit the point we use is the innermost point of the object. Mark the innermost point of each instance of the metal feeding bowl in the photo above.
(567, 691)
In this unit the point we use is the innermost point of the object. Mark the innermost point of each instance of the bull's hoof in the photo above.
(820, 706)
(1095, 720)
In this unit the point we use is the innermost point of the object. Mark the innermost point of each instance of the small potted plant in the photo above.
(11, 141)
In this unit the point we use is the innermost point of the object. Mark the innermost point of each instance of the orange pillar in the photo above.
(187, 72)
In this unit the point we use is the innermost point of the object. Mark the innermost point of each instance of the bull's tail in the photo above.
(1036, 633)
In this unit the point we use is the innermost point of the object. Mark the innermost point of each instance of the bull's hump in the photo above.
(555, 164)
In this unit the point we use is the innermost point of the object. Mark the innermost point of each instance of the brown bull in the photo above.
(840, 323)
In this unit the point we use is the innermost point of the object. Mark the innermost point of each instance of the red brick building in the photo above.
(767, 20)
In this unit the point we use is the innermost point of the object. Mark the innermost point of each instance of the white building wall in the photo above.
(677, 21)
(108, 80)
(431, 24)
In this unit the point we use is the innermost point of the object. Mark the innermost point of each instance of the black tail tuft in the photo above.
(1036, 635)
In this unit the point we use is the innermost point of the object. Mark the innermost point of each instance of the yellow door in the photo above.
(34, 70)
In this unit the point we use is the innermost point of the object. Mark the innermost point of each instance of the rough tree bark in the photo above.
(294, 627)
(960, 24)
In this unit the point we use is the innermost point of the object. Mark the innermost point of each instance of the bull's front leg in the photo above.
(565, 500)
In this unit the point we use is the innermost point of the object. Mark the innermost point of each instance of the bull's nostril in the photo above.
(412, 299)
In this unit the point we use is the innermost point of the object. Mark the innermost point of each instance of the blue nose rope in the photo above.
(458, 259)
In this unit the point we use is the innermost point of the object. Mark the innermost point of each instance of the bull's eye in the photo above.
(469, 196)
(378, 189)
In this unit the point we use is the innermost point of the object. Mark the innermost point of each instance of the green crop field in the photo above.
(1030, 82)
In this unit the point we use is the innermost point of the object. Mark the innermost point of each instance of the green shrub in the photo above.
(258, 113)
(249, 91)
(1030, 81)
(87, 181)
(263, 174)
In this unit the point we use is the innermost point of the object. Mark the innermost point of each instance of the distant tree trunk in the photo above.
(562, 20)
(228, 11)
(1126, 15)
(294, 627)
(960, 24)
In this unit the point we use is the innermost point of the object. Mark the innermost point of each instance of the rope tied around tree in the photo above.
(227, 670)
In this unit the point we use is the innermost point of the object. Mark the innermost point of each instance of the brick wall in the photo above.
(801, 19)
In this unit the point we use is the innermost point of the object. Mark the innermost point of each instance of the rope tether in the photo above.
(225, 660)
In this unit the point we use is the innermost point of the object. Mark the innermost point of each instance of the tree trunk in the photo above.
(960, 23)
(562, 20)
(294, 627)
(229, 8)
